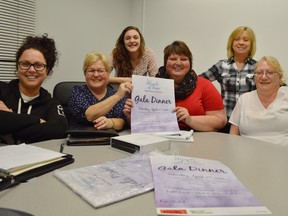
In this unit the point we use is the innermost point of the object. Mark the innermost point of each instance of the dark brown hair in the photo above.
(177, 47)
(44, 45)
(121, 58)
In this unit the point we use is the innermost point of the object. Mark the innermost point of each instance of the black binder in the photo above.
(86, 135)
(7, 180)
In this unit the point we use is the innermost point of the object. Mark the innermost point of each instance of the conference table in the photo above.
(261, 166)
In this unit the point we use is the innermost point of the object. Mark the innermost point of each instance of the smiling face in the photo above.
(177, 66)
(132, 41)
(97, 76)
(242, 44)
(266, 78)
(31, 79)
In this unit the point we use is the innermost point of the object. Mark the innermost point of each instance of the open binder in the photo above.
(47, 161)
(88, 135)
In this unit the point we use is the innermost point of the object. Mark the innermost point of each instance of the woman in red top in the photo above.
(199, 105)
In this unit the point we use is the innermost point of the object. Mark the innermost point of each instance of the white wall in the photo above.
(78, 27)
(81, 26)
(205, 26)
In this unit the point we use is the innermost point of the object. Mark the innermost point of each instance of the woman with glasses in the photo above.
(235, 74)
(263, 113)
(96, 103)
(130, 56)
(27, 111)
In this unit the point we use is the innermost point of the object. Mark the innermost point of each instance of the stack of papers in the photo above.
(17, 159)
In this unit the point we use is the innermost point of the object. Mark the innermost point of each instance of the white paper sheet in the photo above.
(15, 156)
(153, 102)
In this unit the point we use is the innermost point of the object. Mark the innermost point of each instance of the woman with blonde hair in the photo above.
(235, 74)
(263, 113)
(96, 103)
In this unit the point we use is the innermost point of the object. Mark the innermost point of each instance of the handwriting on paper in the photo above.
(152, 96)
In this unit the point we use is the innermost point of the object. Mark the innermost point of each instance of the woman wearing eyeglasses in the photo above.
(27, 111)
(263, 113)
(96, 103)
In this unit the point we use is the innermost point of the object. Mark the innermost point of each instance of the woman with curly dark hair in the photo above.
(130, 56)
(27, 111)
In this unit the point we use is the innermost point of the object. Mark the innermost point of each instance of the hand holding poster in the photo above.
(153, 102)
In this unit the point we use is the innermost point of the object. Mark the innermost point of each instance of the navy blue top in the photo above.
(81, 98)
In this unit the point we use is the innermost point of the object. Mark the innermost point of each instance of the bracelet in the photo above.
(112, 123)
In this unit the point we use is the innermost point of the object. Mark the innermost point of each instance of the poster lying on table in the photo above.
(153, 101)
(194, 186)
(110, 182)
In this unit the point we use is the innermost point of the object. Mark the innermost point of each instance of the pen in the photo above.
(61, 148)
(176, 134)
(189, 135)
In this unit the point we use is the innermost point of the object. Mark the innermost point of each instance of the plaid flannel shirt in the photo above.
(233, 82)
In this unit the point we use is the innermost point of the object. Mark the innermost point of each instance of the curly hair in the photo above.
(121, 58)
(44, 45)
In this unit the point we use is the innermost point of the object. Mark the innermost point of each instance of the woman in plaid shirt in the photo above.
(235, 74)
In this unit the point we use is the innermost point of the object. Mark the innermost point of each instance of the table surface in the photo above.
(260, 166)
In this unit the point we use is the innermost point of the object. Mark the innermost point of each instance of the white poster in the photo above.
(153, 102)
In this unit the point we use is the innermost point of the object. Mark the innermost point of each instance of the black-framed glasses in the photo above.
(261, 73)
(100, 71)
(24, 65)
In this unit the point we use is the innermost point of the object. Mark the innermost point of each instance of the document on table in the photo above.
(195, 186)
(153, 101)
(19, 158)
(110, 182)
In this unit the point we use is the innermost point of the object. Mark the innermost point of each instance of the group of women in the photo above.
(253, 94)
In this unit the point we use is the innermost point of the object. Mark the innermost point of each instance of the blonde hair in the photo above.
(233, 35)
(274, 63)
(94, 57)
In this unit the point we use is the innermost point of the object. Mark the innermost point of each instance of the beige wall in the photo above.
(80, 26)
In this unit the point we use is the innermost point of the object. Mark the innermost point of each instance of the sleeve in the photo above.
(212, 73)
(152, 64)
(212, 99)
(8, 121)
(54, 128)
(235, 115)
(29, 129)
(78, 103)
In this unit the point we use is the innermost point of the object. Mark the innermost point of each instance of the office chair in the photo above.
(62, 91)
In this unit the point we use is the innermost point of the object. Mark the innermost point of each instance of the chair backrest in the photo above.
(62, 91)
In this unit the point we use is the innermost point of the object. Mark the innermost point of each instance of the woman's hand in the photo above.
(124, 89)
(3, 107)
(127, 107)
(103, 123)
(182, 114)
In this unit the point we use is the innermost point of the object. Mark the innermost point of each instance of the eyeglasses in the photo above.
(261, 73)
(100, 71)
(24, 65)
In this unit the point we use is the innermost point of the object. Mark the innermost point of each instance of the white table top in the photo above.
(260, 166)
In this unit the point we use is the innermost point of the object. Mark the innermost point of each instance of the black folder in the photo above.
(88, 135)
(8, 180)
